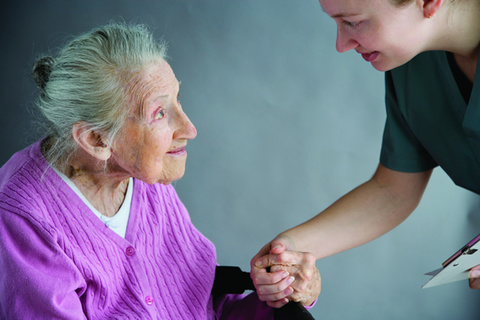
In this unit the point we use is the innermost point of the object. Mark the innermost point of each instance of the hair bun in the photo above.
(41, 71)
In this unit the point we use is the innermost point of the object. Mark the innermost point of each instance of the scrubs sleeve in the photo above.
(401, 151)
(37, 279)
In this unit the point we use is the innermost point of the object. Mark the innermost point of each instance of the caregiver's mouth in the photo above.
(369, 57)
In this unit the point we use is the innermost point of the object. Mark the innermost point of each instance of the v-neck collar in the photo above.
(463, 83)
(471, 121)
(82, 207)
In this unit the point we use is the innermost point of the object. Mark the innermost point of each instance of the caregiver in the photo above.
(429, 50)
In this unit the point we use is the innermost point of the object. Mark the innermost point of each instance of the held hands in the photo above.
(474, 278)
(281, 274)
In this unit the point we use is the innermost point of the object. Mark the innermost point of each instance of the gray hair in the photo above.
(88, 83)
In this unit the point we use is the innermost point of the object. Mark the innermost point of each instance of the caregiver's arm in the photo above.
(360, 216)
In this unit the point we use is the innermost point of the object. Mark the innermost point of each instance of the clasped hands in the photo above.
(281, 274)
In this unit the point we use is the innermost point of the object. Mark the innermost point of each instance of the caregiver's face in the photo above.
(151, 145)
(383, 33)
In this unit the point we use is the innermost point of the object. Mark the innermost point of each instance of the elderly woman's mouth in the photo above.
(178, 151)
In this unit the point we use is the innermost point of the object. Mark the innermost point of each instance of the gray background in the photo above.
(286, 125)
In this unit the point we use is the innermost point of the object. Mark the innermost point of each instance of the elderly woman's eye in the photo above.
(160, 115)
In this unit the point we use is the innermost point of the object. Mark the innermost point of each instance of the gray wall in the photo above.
(286, 125)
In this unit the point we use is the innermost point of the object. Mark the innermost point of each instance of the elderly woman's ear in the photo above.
(91, 141)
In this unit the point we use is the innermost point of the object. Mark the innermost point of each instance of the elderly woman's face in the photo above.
(151, 146)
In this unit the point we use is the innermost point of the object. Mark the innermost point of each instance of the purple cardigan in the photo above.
(59, 261)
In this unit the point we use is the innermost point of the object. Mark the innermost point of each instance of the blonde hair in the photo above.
(88, 82)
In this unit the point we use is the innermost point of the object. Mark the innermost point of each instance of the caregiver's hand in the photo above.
(474, 278)
(281, 274)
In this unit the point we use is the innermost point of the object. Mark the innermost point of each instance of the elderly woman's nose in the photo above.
(184, 127)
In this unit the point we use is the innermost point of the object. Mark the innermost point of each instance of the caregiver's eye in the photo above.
(351, 24)
(160, 114)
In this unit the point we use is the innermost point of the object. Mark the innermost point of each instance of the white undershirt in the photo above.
(118, 223)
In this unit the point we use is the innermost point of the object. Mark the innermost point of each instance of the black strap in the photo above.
(234, 280)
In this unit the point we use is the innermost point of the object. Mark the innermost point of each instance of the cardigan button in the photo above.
(130, 251)
(149, 300)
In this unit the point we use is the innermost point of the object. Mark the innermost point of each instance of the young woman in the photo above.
(429, 50)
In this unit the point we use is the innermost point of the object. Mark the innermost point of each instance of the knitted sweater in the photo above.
(59, 261)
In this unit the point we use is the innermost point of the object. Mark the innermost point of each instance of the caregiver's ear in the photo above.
(430, 7)
(91, 141)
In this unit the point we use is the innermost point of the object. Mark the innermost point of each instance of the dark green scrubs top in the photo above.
(429, 121)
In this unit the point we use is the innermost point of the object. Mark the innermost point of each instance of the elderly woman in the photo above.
(90, 227)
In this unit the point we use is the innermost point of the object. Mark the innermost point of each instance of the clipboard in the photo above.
(458, 266)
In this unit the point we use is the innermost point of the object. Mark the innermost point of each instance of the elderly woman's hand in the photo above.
(474, 278)
(281, 274)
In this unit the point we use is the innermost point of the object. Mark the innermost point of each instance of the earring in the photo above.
(432, 16)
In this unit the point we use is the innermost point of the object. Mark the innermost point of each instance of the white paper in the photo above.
(456, 270)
